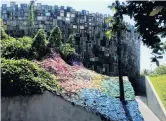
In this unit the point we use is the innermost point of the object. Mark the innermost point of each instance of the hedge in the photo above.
(23, 77)
(16, 48)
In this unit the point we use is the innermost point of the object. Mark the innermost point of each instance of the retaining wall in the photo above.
(45, 107)
(144, 88)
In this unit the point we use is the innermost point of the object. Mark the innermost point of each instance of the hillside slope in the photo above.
(97, 93)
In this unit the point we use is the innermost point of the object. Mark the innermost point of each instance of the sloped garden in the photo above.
(33, 65)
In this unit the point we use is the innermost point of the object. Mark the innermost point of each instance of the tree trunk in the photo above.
(121, 86)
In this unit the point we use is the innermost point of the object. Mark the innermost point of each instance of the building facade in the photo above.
(96, 50)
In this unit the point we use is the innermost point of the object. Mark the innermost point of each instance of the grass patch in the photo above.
(159, 83)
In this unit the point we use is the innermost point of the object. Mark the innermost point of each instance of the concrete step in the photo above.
(145, 111)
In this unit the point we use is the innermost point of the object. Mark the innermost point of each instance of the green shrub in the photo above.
(146, 72)
(55, 39)
(161, 70)
(16, 48)
(39, 44)
(26, 41)
(71, 40)
(66, 49)
(3, 34)
(22, 77)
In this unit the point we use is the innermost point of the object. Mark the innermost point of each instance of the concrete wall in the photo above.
(46, 107)
(145, 89)
(139, 85)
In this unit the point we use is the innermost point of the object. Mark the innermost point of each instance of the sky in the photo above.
(100, 6)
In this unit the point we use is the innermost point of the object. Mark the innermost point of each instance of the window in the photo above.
(62, 7)
(40, 26)
(4, 22)
(61, 14)
(4, 5)
(92, 59)
(89, 45)
(59, 18)
(81, 21)
(4, 11)
(84, 18)
(36, 26)
(81, 27)
(12, 4)
(20, 18)
(55, 7)
(38, 5)
(74, 26)
(43, 7)
(39, 18)
(25, 14)
(48, 14)
(68, 14)
(72, 15)
(24, 23)
(68, 19)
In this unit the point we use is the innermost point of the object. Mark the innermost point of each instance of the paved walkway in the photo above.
(146, 112)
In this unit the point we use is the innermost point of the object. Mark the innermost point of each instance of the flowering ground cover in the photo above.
(93, 91)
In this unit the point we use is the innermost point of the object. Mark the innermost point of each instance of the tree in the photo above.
(16, 48)
(161, 70)
(146, 72)
(55, 39)
(3, 33)
(66, 49)
(39, 44)
(31, 17)
(116, 28)
(150, 21)
(164, 46)
(71, 40)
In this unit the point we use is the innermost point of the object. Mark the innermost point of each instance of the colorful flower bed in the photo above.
(97, 93)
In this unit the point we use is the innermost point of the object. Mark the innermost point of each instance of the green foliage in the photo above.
(157, 52)
(108, 19)
(66, 49)
(39, 44)
(24, 47)
(164, 46)
(109, 34)
(155, 13)
(3, 33)
(16, 48)
(156, 10)
(150, 19)
(1, 23)
(71, 40)
(22, 77)
(116, 21)
(55, 39)
(117, 26)
(159, 83)
(31, 16)
(26, 41)
(161, 70)
(146, 72)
